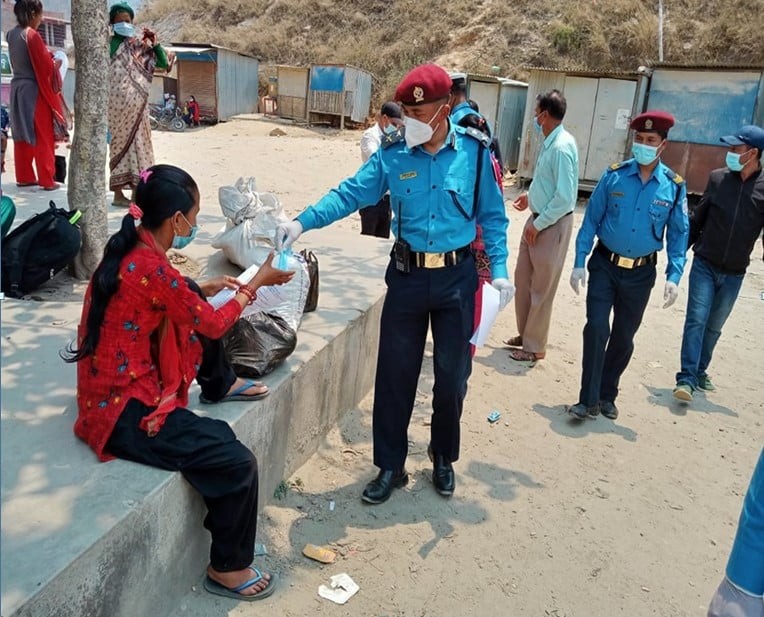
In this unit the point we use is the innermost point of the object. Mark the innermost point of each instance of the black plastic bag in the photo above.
(258, 343)
(311, 301)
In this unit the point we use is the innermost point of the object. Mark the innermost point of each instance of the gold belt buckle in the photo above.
(434, 260)
(625, 262)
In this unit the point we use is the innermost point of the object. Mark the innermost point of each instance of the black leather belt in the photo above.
(536, 215)
(629, 263)
(439, 260)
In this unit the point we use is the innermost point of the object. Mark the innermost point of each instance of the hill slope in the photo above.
(387, 37)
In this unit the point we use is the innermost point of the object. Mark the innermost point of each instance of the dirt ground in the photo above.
(550, 517)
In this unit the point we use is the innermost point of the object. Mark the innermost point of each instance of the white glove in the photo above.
(506, 289)
(286, 234)
(670, 293)
(578, 276)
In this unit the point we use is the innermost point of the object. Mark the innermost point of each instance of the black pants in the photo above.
(215, 376)
(607, 350)
(445, 299)
(213, 461)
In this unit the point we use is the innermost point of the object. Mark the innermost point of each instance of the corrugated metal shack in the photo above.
(292, 97)
(600, 107)
(338, 90)
(707, 102)
(223, 81)
(502, 102)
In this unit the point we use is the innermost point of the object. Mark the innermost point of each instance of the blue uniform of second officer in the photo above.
(441, 186)
(634, 204)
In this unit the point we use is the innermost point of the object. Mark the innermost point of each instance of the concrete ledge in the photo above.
(87, 539)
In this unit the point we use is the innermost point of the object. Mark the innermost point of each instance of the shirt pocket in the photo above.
(461, 194)
(658, 217)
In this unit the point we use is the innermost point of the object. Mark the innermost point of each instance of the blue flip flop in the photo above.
(237, 394)
(235, 592)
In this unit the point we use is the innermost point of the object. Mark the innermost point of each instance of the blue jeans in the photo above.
(710, 299)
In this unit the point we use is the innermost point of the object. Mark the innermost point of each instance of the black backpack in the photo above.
(38, 249)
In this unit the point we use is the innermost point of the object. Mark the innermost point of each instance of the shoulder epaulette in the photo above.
(615, 166)
(479, 135)
(675, 177)
(391, 138)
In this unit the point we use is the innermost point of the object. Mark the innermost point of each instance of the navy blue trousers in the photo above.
(443, 299)
(607, 350)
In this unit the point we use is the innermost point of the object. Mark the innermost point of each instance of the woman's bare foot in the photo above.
(232, 580)
(257, 388)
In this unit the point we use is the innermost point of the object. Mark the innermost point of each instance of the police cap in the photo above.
(657, 121)
(423, 84)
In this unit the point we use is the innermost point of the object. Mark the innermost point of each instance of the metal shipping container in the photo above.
(599, 109)
(707, 102)
(502, 102)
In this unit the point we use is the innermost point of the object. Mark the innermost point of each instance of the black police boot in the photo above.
(381, 487)
(442, 473)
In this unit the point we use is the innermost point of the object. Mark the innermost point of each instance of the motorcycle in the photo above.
(168, 119)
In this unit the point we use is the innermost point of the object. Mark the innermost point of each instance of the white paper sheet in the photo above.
(340, 589)
(488, 312)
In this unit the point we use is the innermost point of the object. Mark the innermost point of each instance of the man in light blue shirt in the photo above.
(441, 186)
(546, 236)
(633, 206)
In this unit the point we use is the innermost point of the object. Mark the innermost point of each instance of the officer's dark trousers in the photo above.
(445, 299)
(607, 351)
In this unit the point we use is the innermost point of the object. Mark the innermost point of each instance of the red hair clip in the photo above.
(135, 210)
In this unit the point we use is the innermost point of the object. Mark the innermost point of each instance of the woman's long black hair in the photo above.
(161, 192)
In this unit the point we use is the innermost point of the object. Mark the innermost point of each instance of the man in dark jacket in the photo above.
(723, 230)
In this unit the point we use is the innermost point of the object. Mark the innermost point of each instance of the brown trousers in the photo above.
(537, 275)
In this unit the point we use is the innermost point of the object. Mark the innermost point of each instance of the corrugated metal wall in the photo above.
(358, 86)
(509, 129)
(293, 92)
(237, 80)
(340, 90)
(199, 79)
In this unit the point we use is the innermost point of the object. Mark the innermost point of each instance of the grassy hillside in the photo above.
(387, 37)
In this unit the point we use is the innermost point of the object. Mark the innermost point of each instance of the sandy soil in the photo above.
(550, 517)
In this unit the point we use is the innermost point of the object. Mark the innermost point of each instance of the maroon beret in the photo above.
(659, 121)
(423, 84)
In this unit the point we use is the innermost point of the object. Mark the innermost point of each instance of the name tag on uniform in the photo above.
(660, 202)
(616, 194)
(407, 175)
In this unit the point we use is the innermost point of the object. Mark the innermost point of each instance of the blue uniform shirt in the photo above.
(630, 217)
(429, 194)
(746, 563)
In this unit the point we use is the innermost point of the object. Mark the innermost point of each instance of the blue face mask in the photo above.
(733, 161)
(536, 124)
(389, 129)
(181, 242)
(123, 28)
(644, 154)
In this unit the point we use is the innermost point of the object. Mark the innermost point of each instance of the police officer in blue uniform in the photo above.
(441, 186)
(633, 204)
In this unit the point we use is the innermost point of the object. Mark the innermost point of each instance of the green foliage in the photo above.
(564, 37)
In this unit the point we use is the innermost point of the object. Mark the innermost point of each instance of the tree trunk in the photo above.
(87, 181)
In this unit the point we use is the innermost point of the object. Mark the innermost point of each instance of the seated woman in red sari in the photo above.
(132, 64)
(145, 334)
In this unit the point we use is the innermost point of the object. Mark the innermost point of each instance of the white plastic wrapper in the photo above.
(288, 300)
(247, 237)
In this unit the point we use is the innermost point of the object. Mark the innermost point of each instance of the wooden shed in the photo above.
(600, 107)
(502, 102)
(223, 81)
(338, 90)
(707, 102)
(292, 97)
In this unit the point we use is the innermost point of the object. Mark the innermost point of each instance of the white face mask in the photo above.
(418, 132)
